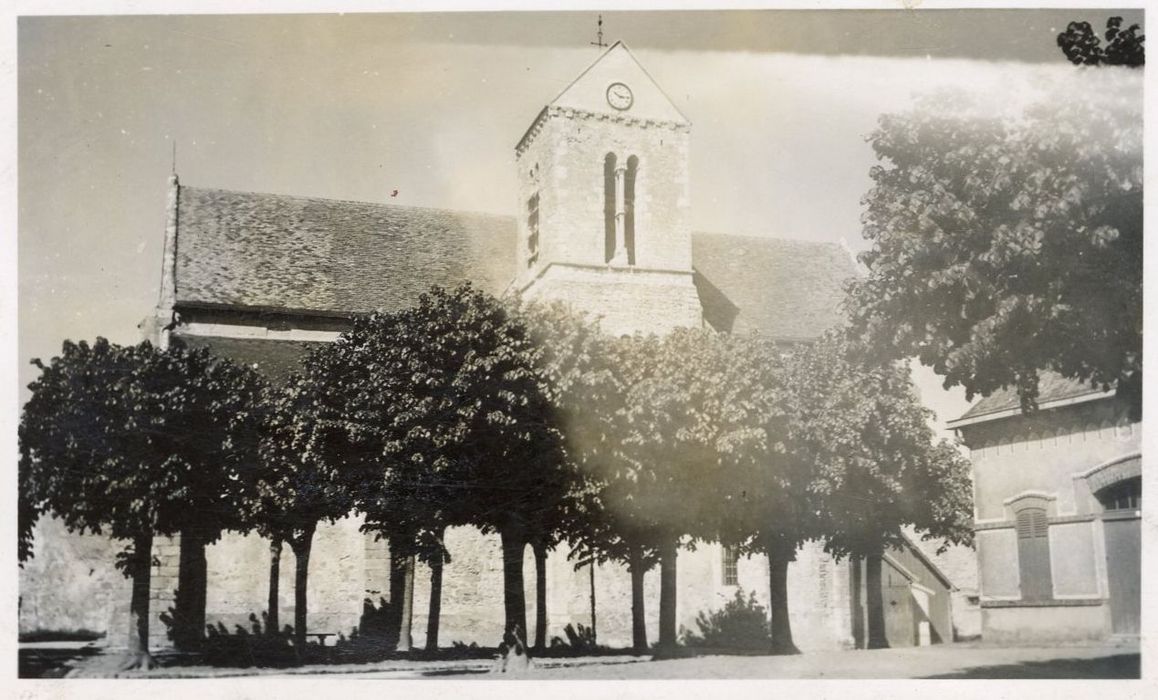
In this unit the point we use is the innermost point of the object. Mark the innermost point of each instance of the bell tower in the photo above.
(604, 203)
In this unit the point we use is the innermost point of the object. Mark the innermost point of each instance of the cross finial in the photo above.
(174, 171)
(599, 34)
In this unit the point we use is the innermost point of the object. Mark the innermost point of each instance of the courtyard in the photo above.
(961, 660)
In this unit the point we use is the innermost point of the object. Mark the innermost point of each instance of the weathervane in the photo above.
(599, 35)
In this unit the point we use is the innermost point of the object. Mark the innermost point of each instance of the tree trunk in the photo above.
(405, 639)
(272, 620)
(540, 551)
(591, 579)
(189, 602)
(137, 655)
(435, 603)
(875, 602)
(856, 584)
(514, 600)
(778, 559)
(301, 547)
(393, 626)
(667, 597)
(638, 620)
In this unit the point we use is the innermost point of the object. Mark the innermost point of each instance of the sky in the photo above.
(356, 106)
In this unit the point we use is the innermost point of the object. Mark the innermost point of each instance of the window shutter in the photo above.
(1033, 554)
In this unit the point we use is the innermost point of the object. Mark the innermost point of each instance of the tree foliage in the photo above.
(449, 424)
(1123, 47)
(1003, 247)
(125, 440)
(136, 442)
(877, 467)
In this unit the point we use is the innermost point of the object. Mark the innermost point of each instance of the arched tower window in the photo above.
(609, 207)
(629, 208)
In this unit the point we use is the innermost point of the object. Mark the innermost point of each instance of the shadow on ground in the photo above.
(50, 662)
(1117, 666)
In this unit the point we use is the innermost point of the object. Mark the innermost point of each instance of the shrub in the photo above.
(742, 624)
(258, 646)
(580, 638)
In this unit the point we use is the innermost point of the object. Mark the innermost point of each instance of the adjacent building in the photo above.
(1058, 497)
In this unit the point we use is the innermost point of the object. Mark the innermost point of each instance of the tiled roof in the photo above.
(1051, 387)
(298, 254)
(786, 289)
(243, 249)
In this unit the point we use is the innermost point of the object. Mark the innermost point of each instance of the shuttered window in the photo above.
(1033, 554)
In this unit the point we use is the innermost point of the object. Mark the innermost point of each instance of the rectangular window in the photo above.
(731, 558)
(1033, 554)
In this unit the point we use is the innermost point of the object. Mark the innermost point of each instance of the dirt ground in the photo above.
(975, 660)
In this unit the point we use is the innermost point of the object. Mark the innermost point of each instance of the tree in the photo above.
(129, 441)
(510, 464)
(396, 399)
(456, 428)
(1124, 47)
(566, 346)
(608, 516)
(301, 482)
(676, 430)
(764, 486)
(1005, 247)
(877, 466)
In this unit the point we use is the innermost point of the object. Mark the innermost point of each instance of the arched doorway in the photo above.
(1118, 487)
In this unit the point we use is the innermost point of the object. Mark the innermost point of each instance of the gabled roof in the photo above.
(618, 65)
(1054, 391)
(244, 249)
(300, 255)
(789, 289)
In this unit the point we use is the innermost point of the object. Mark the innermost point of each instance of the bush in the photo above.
(742, 624)
(579, 639)
(258, 646)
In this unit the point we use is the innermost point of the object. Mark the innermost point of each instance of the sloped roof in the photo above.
(1051, 387)
(617, 64)
(789, 289)
(243, 250)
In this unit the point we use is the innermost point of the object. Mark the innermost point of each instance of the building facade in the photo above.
(1057, 513)
(602, 223)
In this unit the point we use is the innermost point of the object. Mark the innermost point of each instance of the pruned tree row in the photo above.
(465, 410)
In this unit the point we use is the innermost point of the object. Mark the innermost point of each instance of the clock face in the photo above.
(619, 96)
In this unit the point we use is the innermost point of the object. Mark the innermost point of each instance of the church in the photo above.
(602, 222)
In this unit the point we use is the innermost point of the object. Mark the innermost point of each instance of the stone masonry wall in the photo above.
(624, 301)
(347, 566)
(568, 157)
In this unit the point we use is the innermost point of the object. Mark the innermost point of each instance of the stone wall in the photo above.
(347, 566)
(624, 301)
(71, 582)
(564, 165)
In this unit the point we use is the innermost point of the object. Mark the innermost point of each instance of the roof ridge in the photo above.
(332, 200)
(757, 237)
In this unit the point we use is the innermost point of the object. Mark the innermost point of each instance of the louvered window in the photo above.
(533, 230)
(1033, 554)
